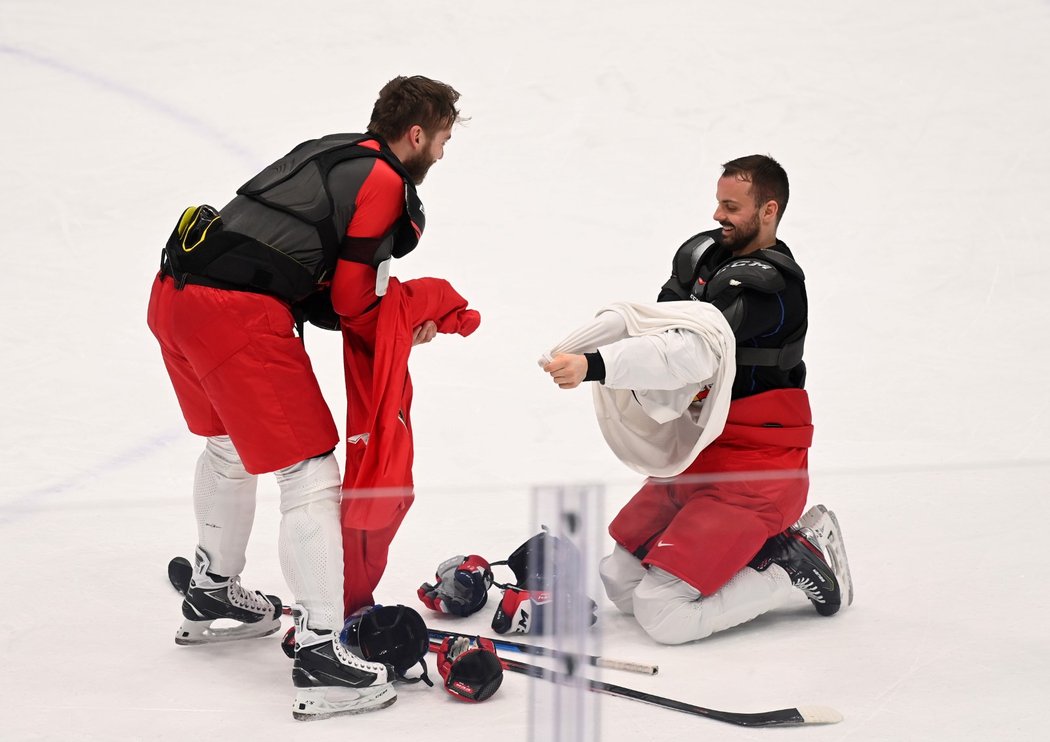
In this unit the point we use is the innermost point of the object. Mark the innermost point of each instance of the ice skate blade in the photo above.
(837, 551)
(202, 632)
(324, 702)
(824, 524)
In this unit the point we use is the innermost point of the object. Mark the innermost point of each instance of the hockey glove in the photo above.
(461, 588)
(521, 611)
(470, 667)
(288, 643)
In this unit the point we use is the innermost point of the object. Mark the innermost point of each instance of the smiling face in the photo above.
(430, 149)
(746, 225)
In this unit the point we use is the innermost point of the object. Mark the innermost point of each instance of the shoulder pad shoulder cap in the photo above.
(688, 256)
(746, 272)
(784, 262)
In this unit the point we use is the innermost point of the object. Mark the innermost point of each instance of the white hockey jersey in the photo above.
(658, 357)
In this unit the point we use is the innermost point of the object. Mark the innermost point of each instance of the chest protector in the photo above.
(297, 185)
(762, 271)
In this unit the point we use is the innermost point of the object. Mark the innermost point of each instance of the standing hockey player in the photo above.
(232, 286)
(706, 392)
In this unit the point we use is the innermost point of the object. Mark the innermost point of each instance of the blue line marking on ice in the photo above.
(30, 502)
(191, 122)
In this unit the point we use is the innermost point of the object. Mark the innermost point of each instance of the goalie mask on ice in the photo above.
(546, 592)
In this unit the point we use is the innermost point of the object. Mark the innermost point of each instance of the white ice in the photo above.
(916, 139)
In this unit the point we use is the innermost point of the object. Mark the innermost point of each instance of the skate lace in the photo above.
(810, 588)
(252, 601)
(346, 657)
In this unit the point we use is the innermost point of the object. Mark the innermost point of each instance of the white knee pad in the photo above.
(224, 503)
(621, 572)
(309, 481)
(310, 544)
(673, 612)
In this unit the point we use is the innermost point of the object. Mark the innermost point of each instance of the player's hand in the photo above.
(424, 333)
(567, 369)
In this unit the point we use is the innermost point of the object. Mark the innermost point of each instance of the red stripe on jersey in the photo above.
(380, 200)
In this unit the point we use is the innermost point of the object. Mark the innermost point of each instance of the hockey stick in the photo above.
(569, 657)
(805, 715)
(180, 571)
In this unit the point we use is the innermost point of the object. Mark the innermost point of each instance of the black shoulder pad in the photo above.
(688, 256)
(781, 261)
(746, 272)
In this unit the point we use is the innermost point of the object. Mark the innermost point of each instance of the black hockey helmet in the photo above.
(393, 634)
(540, 561)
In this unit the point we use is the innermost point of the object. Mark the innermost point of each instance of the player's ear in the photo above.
(416, 135)
(770, 210)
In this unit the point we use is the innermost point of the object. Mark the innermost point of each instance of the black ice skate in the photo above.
(212, 598)
(803, 555)
(331, 680)
(825, 527)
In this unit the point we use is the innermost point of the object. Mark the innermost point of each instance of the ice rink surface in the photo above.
(915, 137)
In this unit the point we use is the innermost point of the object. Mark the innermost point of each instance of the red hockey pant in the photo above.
(238, 370)
(750, 484)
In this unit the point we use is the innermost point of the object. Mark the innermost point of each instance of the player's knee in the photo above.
(668, 609)
(621, 572)
(221, 457)
(309, 481)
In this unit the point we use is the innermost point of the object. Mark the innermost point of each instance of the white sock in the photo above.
(310, 544)
(224, 502)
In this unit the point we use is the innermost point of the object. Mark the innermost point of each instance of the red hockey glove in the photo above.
(461, 588)
(470, 667)
(521, 611)
(288, 643)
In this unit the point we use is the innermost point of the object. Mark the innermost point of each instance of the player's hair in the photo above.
(407, 101)
(768, 180)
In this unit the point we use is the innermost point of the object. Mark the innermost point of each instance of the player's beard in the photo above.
(418, 165)
(741, 235)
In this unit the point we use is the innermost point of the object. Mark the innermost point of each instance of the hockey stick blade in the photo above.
(179, 573)
(801, 716)
(569, 657)
(779, 718)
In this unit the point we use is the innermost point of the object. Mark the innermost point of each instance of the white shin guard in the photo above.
(673, 612)
(311, 540)
(224, 503)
